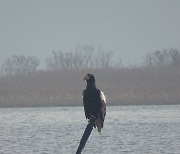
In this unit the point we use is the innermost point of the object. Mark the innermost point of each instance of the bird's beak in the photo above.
(86, 77)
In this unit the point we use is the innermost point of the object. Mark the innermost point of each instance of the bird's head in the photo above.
(90, 78)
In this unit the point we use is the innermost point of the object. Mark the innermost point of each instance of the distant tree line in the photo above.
(82, 57)
(85, 57)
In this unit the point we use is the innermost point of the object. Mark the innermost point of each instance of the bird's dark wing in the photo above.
(86, 107)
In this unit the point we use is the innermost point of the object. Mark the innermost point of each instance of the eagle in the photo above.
(94, 102)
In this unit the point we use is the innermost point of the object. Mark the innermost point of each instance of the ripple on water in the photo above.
(128, 130)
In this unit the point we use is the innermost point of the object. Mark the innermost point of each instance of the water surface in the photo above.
(127, 130)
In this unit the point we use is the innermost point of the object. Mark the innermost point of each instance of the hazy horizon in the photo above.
(129, 28)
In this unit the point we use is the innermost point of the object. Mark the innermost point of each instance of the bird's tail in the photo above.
(99, 124)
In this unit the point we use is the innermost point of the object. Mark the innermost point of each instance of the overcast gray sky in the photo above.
(130, 28)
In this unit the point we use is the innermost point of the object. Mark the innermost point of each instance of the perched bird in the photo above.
(94, 102)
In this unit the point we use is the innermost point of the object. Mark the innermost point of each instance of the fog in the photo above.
(46, 47)
(129, 28)
(61, 84)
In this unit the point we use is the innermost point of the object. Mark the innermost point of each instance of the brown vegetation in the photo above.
(121, 86)
(153, 83)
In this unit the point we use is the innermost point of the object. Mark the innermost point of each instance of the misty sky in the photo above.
(130, 28)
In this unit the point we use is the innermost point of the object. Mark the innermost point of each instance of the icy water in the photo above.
(127, 130)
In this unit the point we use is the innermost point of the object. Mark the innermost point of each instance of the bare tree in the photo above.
(20, 65)
(163, 59)
(59, 61)
(157, 58)
(84, 56)
(102, 59)
(175, 58)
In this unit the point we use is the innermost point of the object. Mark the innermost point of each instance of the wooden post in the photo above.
(85, 136)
